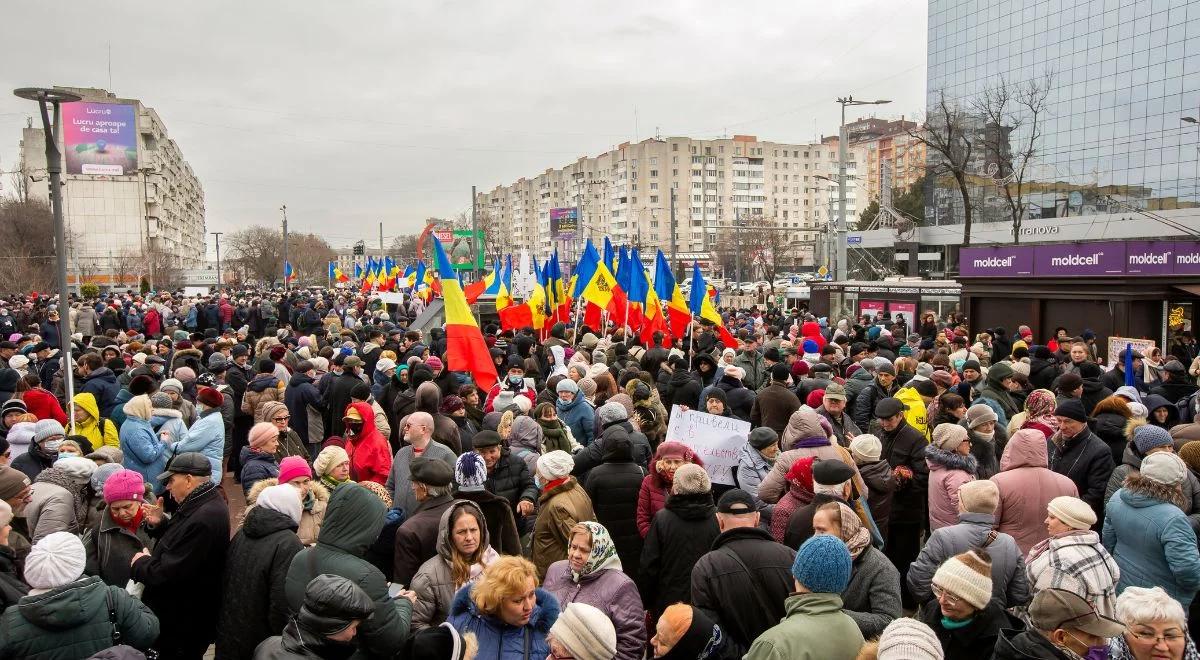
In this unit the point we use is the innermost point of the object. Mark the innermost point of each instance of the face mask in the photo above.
(986, 436)
(516, 380)
(51, 446)
(1096, 653)
(68, 454)
(537, 481)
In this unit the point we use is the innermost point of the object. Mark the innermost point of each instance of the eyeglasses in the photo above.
(1151, 637)
(282, 419)
(945, 597)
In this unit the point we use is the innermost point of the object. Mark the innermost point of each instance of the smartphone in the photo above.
(394, 590)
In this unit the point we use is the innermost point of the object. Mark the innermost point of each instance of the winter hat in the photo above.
(1071, 409)
(434, 363)
(1190, 453)
(979, 496)
(46, 428)
(57, 559)
(865, 448)
(13, 406)
(556, 464)
(78, 468)
(1164, 468)
(814, 398)
(566, 385)
(968, 576)
(101, 476)
(823, 565)
(277, 352)
(329, 458)
(160, 399)
(172, 384)
(610, 412)
(282, 498)
(331, 602)
(586, 632)
(441, 641)
(385, 364)
(1148, 436)
(292, 467)
(262, 433)
(185, 375)
(523, 403)
(909, 639)
(690, 479)
(12, 482)
(1128, 393)
(1074, 512)
(124, 485)
(948, 437)
(1139, 411)
(470, 472)
(210, 397)
(587, 386)
(763, 437)
(979, 414)
(942, 378)
(451, 403)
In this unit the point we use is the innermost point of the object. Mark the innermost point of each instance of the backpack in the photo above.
(1187, 408)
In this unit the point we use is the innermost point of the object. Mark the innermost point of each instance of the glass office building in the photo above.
(1125, 75)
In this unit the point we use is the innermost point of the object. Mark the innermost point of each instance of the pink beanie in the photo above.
(261, 433)
(292, 467)
(434, 362)
(124, 485)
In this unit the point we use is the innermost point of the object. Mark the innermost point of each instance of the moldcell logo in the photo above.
(1077, 260)
(993, 262)
(1150, 259)
(1187, 258)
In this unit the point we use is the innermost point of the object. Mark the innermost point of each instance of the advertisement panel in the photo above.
(100, 138)
(1079, 259)
(564, 223)
(463, 247)
(872, 308)
(1003, 261)
(1140, 258)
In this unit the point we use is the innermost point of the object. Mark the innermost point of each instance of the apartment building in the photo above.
(888, 151)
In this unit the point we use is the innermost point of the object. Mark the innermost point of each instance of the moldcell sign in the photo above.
(1110, 258)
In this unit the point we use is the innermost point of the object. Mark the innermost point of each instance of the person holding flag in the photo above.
(465, 348)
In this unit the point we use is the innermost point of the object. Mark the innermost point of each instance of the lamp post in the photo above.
(842, 270)
(54, 98)
(217, 235)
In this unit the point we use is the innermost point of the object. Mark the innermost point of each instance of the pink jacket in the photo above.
(1026, 487)
(948, 471)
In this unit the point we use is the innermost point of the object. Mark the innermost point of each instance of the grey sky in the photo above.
(354, 113)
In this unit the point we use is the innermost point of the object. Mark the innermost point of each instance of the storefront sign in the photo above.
(1138, 258)
(872, 308)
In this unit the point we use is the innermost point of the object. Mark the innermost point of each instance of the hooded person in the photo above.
(592, 574)
(256, 569)
(680, 534)
(463, 552)
(470, 477)
(327, 623)
(67, 611)
(370, 454)
(656, 486)
(416, 540)
(98, 430)
(1146, 439)
(1027, 486)
(352, 523)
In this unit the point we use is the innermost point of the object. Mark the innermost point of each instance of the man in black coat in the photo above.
(904, 449)
(337, 397)
(882, 387)
(743, 581)
(684, 386)
(508, 474)
(775, 403)
(182, 575)
(1080, 455)
(416, 540)
(1175, 384)
(614, 486)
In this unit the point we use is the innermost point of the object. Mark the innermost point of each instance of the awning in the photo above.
(1189, 289)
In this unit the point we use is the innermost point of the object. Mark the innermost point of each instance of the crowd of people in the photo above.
(906, 493)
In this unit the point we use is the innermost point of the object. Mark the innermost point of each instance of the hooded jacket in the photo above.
(370, 454)
(752, 468)
(99, 431)
(434, 581)
(1026, 487)
(1131, 463)
(207, 436)
(144, 452)
(255, 605)
(814, 626)
(1151, 540)
(42, 403)
(948, 471)
(102, 383)
(263, 388)
(613, 487)
(352, 522)
(592, 455)
(682, 532)
(773, 407)
(498, 640)
(306, 408)
(445, 431)
(417, 539)
(559, 508)
(72, 621)
(579, 416)
(655, 488)
(169, 422)
(808, 438)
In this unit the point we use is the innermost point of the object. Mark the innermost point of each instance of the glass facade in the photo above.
(1124, 75)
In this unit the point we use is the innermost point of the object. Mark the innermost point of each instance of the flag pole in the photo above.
(578, 316)
(626, 336)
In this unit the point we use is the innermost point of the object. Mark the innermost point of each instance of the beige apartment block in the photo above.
(886, 147)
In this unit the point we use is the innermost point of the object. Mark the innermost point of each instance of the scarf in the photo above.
(1118, 649)
(1039, 409)
(133, 525)
(856, 536)
(604, 552)
(331, 483)
(809, 443)
(554, 484)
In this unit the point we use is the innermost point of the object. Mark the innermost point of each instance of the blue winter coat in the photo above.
(102, 383)
(169, 421)
(498, 640)
(580, 417)
(207, 436)
(1152, 543)
(144, 452)
(256, 466)
(118, 410)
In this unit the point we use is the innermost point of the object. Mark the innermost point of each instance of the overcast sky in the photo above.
(353, 113)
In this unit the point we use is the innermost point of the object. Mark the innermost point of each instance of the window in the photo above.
(674, 172)
(674, 146)
(653, 199)
(653, 186)
(653, 173)
(721, 149)
(654, 161)
(707, 150)
(674, 159)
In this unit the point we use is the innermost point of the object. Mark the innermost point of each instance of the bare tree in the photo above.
(1013, 109)
(27, 234)
(496, 242)
(404, 249)
(310, 256)
(257, 250)
(947, 131)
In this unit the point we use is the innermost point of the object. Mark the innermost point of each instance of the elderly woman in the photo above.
(754, 463)
(592, 574)
(463, 552)
(652, 496)
(963, 614)
(1155, 627)
(505, 611)
(872, 598)
(950, 466)
(1073, 558)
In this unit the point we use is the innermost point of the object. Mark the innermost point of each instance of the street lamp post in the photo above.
(217, 235)
(842, 269)
(54, 98)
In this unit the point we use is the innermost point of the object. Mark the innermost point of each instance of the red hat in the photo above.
(210, 397)
(799, 368)
(292, 467)
(814, 398)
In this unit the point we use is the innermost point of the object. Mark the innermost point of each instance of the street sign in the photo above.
(822, 271)
(854, 240)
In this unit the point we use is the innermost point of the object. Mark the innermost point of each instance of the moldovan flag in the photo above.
(465, 349)
(489, 283)
(668, 291)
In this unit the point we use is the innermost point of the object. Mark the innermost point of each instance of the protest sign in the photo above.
(716, 440)
(1117, 344)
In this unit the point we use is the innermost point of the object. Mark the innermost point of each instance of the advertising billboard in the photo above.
(1136, 258)
(100, 138)
(464, 248)
(564, 223)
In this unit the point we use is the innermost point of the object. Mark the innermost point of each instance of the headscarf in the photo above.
(856, 536)
(1039, 408)
(604, 553)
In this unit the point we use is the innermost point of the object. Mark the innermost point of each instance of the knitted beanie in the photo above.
(282, 498)
(587, 386)
(172, 384)
(46, 428)
(1164, 468)
(690, 479)
(979, 414)
(1074, 512)
(262, 433)
(292, 467)
(909, 639)
(762, 437)
(566, 385)
(101, 476)
(160, 399)
(470, 472)
(124, 485)
(611, 412)
(865, 448)
(948, 437)
(822, 564)
(979, 496)
(329, 458)
(556, 464)
(1148, 436)
(78, 468)
(586, 632)
(968, 576)
(1190, 453)
(58, 559)
(185, 375)
(12, 482)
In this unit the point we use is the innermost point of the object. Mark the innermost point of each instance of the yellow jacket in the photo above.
(915, 409)
(90, 427)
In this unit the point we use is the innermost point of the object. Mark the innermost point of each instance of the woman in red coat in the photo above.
(370, 454)
(656, 486)
(40, 401)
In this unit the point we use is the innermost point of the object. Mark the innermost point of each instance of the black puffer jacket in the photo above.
(1087, 461)
(1110, 427)
(511, 479)
(740, 398)
(680, 534)
(864, 403)
(255, 604)
(594, 454)
(1042, 373)
(613, 487)
(684, 390)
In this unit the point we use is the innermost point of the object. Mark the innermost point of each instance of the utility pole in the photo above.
(737, 248)
(474, 236)
(285, 242)
(674, 242)
(217, 234)
(381, 241)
